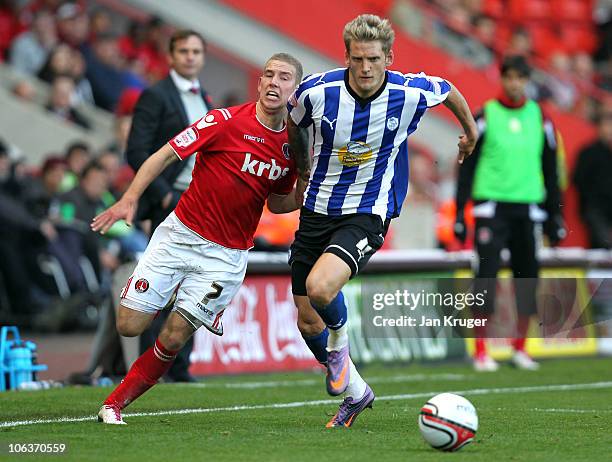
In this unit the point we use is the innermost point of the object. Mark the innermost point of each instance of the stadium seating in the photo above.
(529, 10)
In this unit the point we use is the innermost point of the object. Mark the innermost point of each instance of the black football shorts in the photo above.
(354, 238)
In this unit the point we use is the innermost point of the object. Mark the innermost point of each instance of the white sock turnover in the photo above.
(357, 386)
(338, 338)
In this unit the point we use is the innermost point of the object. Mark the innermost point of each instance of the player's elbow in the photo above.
(277, 205)
(276, 208)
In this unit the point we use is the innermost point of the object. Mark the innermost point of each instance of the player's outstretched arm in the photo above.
(298, 142)
(290, 202)
(459, 107)
(125, 208)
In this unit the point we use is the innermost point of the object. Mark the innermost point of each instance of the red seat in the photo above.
(577, 37)
(529, 10)
(573, 10)
(503, 32)
(544, 40)
(493, 8)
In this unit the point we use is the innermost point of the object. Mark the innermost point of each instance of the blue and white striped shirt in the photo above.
(360, 162)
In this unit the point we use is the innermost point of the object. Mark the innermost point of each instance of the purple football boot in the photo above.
(350, 409)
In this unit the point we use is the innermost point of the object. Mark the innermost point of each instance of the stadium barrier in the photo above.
(260, 324)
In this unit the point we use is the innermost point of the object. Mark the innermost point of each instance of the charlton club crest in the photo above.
(142, 285)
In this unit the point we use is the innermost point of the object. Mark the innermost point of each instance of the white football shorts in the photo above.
(206, 274)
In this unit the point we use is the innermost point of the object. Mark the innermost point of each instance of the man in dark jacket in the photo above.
(592, 179)
(161, 112)
(19, 228)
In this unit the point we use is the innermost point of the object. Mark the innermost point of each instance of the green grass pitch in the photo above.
(563, 412)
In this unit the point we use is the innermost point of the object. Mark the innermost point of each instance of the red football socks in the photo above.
(144, 373)
(481, 347)
(480, 335)
(522, 326)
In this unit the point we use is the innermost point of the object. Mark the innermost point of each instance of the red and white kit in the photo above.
(202, 247)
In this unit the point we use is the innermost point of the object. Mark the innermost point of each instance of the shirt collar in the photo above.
(503, 98)
(364, 101)
(182, 83)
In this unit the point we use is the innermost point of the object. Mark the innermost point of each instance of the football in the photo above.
(448, 422)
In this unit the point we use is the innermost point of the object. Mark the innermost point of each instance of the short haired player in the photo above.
(200, 250)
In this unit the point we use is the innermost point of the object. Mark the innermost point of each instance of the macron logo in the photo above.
(257, 168)
(254, 138)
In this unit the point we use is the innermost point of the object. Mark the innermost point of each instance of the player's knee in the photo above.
(173, 341)
(127, 328)
(320, 294)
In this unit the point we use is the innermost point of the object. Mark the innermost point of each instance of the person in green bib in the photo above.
(512, 180)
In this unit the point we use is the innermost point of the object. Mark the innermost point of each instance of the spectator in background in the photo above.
(455, 35)
(520, 44)
(61, 102)
(133, 41)
(153, 53)
(123, 120)
(132, 240)
(42, 191)
(605, 81)
(72, 24)
(145, 45)
(100, 22)
(473, 7)
(485, 30)
(19, 229)
(592, 179)
(559, 84)
(12, 172)
(584, 78)
(39, 196)
(512, 171)
(161, 112)
(5, 166)
(111, 163)
(83, 93)
(65, 61)
(78, 155)
(24, 90)
(105, 71)
(75, 209)
(59, 62)
(29, 51)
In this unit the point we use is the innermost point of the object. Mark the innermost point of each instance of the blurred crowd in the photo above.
(54, 271)
(79, 53)
(569, 41)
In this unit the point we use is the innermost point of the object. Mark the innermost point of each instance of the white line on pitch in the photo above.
(476, 391)
(574, 411)
(307, 382)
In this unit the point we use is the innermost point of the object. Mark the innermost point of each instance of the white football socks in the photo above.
(357, 386)
(338, 338)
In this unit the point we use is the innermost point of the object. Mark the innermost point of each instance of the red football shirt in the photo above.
(240, 162)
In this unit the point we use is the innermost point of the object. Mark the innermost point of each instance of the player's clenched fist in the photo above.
(466, 146)
(123, 209)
